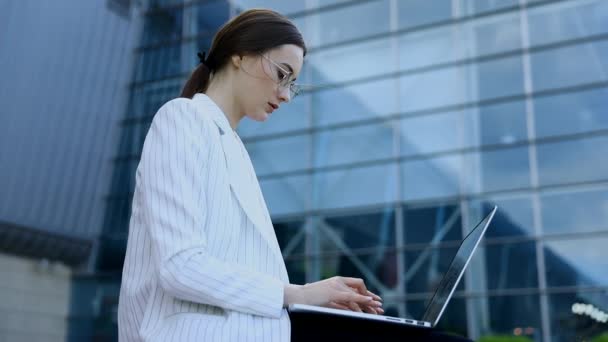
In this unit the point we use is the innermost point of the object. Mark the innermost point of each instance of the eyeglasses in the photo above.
(284, 78)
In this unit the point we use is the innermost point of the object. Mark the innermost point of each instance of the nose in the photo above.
(284, 94)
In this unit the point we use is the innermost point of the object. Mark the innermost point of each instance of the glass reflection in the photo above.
(364, 186)
(577, 262)
(567, 326)
(286, 195)
(556, 22)
(573, 161)
(555, 68)
(375, 230)
(575, 211)
(276, 155)
(571, 113)
(508, 316)
(353, 144)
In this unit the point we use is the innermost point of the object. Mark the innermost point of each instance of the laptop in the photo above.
(442, 295)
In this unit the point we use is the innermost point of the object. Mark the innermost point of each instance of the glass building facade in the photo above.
(421, 116)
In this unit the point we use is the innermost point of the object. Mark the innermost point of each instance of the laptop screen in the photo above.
(454, 273)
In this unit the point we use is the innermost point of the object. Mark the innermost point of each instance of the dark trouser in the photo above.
(337, 329)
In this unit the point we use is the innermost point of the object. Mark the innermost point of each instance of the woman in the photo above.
(202, 261)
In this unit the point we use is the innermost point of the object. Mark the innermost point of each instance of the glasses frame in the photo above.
(294, 88)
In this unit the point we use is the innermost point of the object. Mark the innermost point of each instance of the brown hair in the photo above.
(253, 31)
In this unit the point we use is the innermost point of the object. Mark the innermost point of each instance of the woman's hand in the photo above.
(338, 293)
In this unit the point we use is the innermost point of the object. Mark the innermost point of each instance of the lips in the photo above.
(273, 106)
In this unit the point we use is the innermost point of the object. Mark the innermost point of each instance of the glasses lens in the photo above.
(294, 89)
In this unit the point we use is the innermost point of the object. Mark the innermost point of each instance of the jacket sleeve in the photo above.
(171, 182)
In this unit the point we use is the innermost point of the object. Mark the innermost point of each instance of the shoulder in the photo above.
(184, 115)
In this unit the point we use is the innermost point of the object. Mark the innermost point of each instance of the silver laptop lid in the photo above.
(450, 280)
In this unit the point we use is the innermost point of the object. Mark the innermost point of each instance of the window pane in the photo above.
(577, 262)
(281, 6)
(276, 155)
(286, 195)
(496, 34)
(508, 315)
(571, 113)
(471, 7)
(356, 102)
(363, 186)
(567, 326)
(573, 161)
(570, 66)
(514, 216)
(353, 144)
(162, 25)
(354, 61)
(436, 133)
(569, 20)
(211, 15)
(435, 224)
(291, 237)
(496, 78)
(376, 230)
(294, 115)
(510, 265)
(344, 23)
(414, 13)
(497, 170)
(425, 268)
(431, 178)
(575, 211)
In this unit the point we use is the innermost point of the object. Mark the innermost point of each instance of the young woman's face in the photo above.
(260, 89)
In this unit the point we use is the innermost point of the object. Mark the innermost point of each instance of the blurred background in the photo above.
(423, 115)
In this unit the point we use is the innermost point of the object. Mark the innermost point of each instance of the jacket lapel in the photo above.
(243, 181)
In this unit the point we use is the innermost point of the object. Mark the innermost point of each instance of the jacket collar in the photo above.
(241, 175)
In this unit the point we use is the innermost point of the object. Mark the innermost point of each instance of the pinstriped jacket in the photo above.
(202, 261)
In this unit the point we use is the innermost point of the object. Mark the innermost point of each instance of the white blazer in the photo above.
(202, 261)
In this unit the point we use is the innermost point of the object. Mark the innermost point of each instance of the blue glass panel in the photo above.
(294, 115)
(570, 66)
(471, 7)
(356, 102)
(365, 186)
(351, 62)
(437, 223)
(281, 6)
(373, 230)
(510, 265)
(277, 155)
(581, 210)
(577, 262)
(514, 216)
(497, 34)
(573, 161)
(353, 144)
(344, 23)
(514, 318)
(162, 25)
(414, 13)
(571, 113)
(211, 15)
(286, 195)
(496, 170)
(569, 325)
(564, 21)
(431, 178)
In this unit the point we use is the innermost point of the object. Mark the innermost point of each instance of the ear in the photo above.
(236, 60)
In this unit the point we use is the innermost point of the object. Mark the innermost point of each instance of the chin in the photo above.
(259, 116)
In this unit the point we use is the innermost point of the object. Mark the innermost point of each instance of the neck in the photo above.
(222, 95)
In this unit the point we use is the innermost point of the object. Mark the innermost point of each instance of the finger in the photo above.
(369, 309)
(356, 283)
(376, 297)
(335, 305)
(348, 296)
(355, 307)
